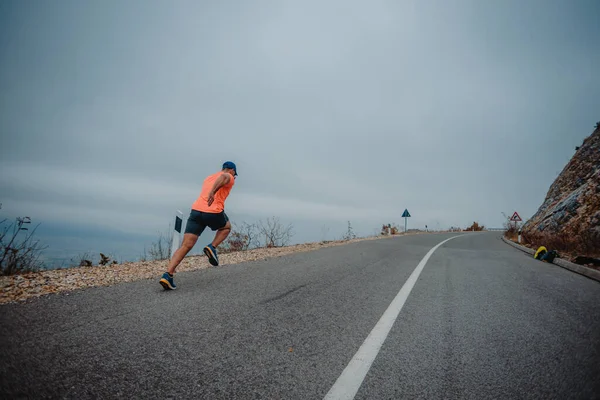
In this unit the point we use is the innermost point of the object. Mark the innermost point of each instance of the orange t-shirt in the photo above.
(201, 203)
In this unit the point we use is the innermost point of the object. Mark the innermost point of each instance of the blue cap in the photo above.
(230, 165)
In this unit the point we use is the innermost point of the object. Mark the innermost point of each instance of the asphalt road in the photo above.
(483, 320)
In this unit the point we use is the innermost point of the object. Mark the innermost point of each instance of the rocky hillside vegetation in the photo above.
(569, 218)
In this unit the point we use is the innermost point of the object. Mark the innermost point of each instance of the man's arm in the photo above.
(219, 183)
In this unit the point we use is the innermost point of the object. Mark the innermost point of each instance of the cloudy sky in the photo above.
(113, 112)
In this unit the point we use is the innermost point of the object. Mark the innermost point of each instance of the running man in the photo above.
(207, 210)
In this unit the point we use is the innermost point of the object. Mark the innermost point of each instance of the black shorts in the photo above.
(198, 221)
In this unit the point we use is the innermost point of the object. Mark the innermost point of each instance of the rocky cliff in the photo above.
(572, 205)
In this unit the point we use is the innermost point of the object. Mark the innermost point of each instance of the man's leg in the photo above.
(222, 225)
(193, 230)
(189, 240)
(221, 234)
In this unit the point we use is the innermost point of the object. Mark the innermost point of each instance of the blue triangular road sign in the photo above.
(406, 214)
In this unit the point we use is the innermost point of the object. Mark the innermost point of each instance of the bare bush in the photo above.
(107, 260)
(161, 249)
(349, 233)
(81, 260)
(274, 233)
(241, 238)
(234, 242)
(585, 243)
(251, 234)
(475, 227)
(510, 231)
(391, 228)
(19, 252)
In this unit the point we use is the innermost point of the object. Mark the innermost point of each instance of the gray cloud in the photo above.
(112, 113)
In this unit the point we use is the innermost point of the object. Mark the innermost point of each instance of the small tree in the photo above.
(275, 234)
(161, 249)
(250, 233)
(19, 252)
(241, 238)
(236, 241)
(349, 233)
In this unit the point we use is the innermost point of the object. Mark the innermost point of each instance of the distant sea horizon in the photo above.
(67, 244)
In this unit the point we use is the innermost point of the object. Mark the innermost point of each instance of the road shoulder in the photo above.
(579, 269)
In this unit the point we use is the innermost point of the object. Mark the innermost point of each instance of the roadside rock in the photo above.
(572, 205)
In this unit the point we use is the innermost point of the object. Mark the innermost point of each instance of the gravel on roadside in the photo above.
(21, 287)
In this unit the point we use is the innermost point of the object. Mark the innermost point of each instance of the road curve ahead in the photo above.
(383, 319)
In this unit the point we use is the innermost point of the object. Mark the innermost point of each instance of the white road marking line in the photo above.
(347, 385)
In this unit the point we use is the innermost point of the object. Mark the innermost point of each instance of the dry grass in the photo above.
(569, 246)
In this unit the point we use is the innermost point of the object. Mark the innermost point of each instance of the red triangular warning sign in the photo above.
(516, 217)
